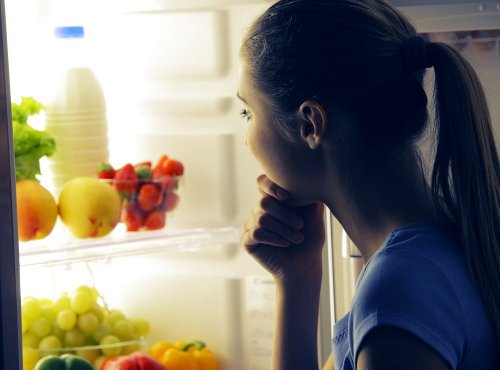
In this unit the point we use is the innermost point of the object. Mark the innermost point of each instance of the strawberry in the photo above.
(126, 181)
(143, 172)
(168, 184)
(158, 169)
(105, 171)
(155, 220)
(149, 197)
(170, 202)
(132, 216)
(145, 163)
(172, 167)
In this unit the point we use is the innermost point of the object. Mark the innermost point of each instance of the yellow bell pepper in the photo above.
(193, 355)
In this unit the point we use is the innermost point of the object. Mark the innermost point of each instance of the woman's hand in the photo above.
(286, 240)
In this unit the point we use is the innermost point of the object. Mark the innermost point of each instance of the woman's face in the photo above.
(282, 160)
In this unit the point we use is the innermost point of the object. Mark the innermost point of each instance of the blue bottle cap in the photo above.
(69, 32)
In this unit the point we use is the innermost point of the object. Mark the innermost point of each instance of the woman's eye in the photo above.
(245, 114)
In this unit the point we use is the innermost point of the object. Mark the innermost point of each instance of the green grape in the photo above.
(141, 327)
(131, 348)
(89, 341)
(74, 338)
(92, 292)
(124, 330)
(30, 340)
(30, 358)
(112, 350)
(102, 330)
(66, 319)
(46, 301)
(41, 327)
(25, 323)
(88, 322)
(89, 354)
(49, 344)
(98, 311)
(81, 302)
(114, 316)
(31, 308)
(57, 331)
(49, 312)
(62, 303)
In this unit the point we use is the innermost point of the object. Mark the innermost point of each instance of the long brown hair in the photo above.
(349, 52)
(466, 172)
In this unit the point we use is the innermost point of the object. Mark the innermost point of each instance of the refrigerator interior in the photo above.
(169, 74)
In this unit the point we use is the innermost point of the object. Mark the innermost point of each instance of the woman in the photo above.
(333, 97)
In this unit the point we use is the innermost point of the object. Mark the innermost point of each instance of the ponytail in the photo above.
(466, 172)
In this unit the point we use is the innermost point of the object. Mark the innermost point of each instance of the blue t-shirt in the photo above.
(418, 281)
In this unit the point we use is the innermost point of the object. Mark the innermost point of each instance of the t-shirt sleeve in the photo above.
(409, 292)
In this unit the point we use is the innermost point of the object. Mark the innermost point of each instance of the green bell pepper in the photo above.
(63, 362)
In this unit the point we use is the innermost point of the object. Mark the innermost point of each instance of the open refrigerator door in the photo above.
(168, 71)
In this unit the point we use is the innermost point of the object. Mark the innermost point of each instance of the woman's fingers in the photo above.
(285, 215)
(272, 223)
(268, 187)
(256, 236)
(267, 222)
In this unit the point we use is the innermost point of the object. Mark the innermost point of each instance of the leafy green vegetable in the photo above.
(29, 144)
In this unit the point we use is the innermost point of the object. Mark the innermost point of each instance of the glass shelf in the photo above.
(62, 248)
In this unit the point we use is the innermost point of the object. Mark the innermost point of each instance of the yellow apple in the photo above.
(88, 207)
(36, 210)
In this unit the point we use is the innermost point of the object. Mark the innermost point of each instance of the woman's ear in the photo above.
(313, 123)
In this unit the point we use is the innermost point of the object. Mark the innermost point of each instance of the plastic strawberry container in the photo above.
(146, 202)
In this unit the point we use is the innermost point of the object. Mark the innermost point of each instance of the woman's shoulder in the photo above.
(423, 249)
(418, 267)
(418, 281)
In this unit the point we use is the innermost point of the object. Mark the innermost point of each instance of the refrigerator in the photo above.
(169, 73)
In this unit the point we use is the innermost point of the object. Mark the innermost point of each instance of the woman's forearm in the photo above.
(295, 340)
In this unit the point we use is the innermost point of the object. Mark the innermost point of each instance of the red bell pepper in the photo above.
(135, 361)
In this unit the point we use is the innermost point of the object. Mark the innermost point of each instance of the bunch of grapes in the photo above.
(73, 322)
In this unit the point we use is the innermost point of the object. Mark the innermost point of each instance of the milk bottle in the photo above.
(76, 113)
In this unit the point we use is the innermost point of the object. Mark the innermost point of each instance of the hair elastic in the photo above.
(414, 53)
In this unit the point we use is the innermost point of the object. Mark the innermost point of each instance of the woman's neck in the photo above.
(375, 208)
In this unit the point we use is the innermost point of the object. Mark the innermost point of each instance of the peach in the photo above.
(36, 210)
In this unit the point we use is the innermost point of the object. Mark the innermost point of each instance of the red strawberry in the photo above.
(158, 169)
(155, 220)
(145, 163)
(126, 181)
(168, 184)
(170, 202)
(172, 167)
(105, 171)
(149, 197)
(132, 216)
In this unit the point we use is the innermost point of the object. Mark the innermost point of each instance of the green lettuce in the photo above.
(29, 144)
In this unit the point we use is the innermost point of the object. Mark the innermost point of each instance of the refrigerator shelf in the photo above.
(62, 249)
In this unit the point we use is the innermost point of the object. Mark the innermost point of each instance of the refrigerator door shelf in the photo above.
(219, 242)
